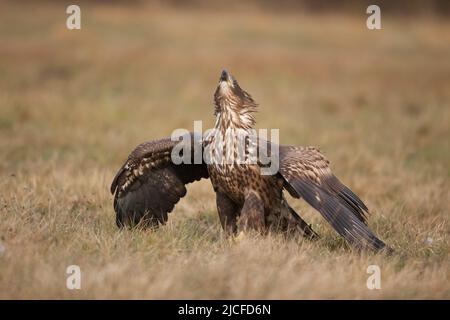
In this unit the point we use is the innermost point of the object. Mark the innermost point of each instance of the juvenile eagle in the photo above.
(149, 184)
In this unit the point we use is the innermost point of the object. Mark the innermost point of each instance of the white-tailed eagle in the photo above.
(149, 184)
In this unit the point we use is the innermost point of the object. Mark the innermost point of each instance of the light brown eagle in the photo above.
(149, 184)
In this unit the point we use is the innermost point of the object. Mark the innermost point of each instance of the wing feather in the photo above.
(307, 174)
(312, 165)
(148, 186)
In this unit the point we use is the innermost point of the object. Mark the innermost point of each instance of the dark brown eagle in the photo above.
(149, 184)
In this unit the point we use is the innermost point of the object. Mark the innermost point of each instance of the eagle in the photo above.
(149, 184)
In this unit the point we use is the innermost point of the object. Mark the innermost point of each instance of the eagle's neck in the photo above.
(234, 108)
(234, 111)
(231, 137)
(229, 117)
(234, 120)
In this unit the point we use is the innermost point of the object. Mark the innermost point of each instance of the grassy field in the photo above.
(73, 104)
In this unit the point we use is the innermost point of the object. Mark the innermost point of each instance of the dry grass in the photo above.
(74, 103)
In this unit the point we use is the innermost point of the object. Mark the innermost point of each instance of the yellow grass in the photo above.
(74, 103)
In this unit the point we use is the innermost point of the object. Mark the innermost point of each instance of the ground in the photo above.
(73, 104)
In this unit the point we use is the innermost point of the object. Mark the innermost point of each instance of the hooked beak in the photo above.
(226, 77)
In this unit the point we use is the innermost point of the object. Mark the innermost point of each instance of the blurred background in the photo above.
(74, 103)
(138, 69)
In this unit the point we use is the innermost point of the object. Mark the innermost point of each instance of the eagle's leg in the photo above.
(227, 213)
(292, 223)
(252, 213)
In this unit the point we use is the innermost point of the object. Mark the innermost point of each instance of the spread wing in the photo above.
(307, 174)
(149, 184)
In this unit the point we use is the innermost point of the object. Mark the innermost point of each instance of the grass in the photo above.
(74, 103)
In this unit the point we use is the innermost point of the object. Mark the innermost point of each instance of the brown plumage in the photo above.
(148, 185)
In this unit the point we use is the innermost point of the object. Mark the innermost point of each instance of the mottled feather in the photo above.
(148, 185)
(307, 175)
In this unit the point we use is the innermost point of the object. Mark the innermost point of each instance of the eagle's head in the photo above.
(234, 107)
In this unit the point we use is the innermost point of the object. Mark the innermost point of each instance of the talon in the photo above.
(240, 237)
